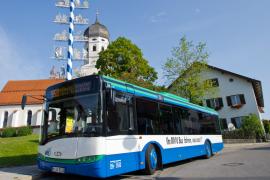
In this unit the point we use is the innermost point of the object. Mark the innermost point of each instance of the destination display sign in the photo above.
(73, 88)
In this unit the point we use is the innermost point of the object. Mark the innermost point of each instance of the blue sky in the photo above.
(236, 33)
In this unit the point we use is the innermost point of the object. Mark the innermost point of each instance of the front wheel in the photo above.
(151, 160)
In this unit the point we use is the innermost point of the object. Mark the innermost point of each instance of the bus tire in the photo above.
(208, 149)
(151, 160)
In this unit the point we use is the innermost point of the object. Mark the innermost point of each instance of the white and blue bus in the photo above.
(98, 126)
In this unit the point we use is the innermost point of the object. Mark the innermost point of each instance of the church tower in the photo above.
(98, 40)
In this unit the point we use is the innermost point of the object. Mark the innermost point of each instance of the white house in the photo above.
(237, 96)
(11, 114)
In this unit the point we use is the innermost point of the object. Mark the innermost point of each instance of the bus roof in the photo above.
(161, 96)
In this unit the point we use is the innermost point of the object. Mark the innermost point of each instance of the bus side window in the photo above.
(147, 117)
(120, 114)
(177, 120)
(166, 120)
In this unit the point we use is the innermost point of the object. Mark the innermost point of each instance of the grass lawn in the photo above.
(16, 151)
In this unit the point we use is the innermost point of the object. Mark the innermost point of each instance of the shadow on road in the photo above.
(260, 148)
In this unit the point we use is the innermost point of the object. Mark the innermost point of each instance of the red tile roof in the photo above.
(13, 91)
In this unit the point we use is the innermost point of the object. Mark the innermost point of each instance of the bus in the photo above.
(99, 126)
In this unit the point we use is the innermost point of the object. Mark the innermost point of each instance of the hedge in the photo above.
(13, 132)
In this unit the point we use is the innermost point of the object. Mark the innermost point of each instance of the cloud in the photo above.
(158, 17)
(16, 62)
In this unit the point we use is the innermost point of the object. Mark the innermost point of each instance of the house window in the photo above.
(5, 119)
(236, 101)
(29, 118)
(223, 124)
(215, 103)
(214, 82)
(95, 48)
(237, 121)
(102, 48)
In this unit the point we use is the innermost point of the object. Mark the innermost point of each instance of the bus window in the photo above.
(209, 124)
(147, 118)
(177, 120)
(118, 114)
(166, 120)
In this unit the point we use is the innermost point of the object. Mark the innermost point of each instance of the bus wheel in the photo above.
(208, 149)
(151, 160)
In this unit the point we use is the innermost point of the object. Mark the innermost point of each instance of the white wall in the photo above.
(99, 42)
(227, 88)
(18, 117)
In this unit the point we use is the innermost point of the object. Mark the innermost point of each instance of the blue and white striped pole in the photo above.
(70, 40)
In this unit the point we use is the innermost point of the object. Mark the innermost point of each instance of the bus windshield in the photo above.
(75, 116)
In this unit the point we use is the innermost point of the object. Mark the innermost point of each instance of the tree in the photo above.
(252, 126)
(124, 60)
(266, 124)
(184, 70)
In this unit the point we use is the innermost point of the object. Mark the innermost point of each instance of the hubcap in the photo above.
(153, 159)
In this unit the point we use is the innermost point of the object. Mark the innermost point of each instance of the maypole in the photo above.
(70, 40)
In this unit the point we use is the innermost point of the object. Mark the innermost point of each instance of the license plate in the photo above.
(58, 169)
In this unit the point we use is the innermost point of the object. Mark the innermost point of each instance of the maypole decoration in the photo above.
(74, 53)
(70, 40)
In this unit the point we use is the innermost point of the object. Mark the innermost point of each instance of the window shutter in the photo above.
(242, 99)
(208, 103)
(229, 101)
(220, 102)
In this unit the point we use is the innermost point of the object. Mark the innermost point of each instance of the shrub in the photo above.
(24, 131)
(237, 134)
(252, 125)
(9, 132)
(266, 125)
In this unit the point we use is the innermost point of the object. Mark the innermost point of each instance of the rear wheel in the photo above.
(151, 160)
(208, 149)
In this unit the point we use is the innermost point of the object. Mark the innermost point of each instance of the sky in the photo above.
(236, 33)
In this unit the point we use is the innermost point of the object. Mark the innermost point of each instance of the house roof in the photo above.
(13, 91)
(256, 84)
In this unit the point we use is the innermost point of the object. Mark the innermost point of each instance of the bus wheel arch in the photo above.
(208, 149)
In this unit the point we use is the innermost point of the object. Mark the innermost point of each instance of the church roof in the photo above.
(97, 30)
(13, 91)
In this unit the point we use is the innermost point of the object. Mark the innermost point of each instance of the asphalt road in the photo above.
(247, 161)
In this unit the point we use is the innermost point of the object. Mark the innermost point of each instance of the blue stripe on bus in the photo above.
(129, 161)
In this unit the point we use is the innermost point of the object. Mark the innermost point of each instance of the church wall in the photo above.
(18, 117)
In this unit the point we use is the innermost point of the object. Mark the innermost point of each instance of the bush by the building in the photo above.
(24, 131)
(13, 132)
(252, 125)
(266, 125)
(238, 134)
(9, 132)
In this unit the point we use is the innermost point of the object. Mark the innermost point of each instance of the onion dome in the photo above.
(97, 30)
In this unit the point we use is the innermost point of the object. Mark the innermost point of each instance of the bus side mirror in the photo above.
(24, 99)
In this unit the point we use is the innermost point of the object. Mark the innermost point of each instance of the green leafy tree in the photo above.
(184, 70)
(252, 125)
(124, 60)
(266, 124)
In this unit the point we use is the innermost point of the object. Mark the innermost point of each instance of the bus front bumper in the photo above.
(94, 169)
